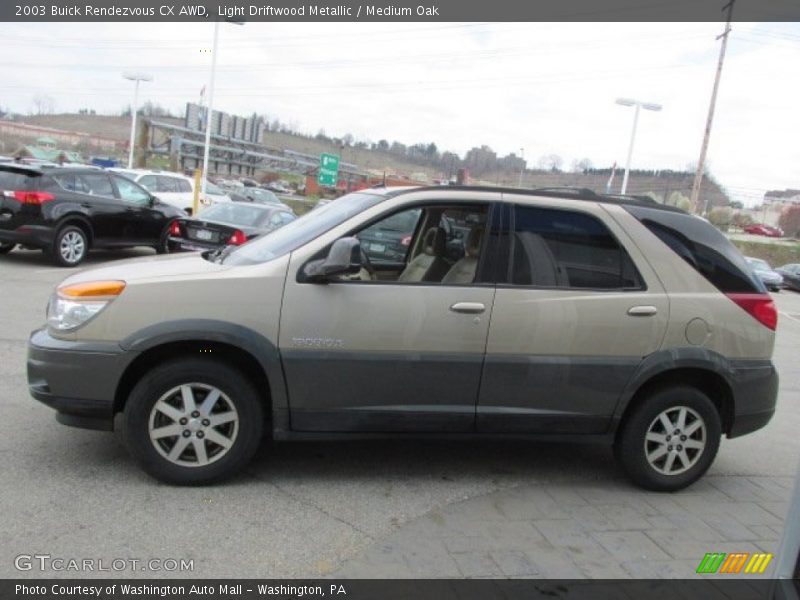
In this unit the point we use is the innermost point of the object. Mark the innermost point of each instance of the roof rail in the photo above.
(569, 193)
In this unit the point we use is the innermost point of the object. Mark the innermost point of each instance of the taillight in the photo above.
(237, 239)
(30, 197)
(175, 229)
(759, 306)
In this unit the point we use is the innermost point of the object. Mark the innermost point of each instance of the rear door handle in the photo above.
(642, 311)
(470, 308)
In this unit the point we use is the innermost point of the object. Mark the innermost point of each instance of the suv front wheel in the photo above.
(193, 421)
(670, 439)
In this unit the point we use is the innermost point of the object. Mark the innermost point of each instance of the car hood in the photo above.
(152, 267)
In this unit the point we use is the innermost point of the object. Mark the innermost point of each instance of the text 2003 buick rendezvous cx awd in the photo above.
(554, 314)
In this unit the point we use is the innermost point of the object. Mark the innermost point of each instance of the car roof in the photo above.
(150, 172)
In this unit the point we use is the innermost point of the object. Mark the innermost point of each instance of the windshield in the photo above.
(235, 214)
(263, 195)
(302, 230)
(213, 189)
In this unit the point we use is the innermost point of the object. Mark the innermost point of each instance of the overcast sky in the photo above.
(547, 88)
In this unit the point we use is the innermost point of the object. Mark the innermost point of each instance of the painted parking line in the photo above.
(788, 316)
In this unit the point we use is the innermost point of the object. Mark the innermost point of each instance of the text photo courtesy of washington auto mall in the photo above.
(449, 299)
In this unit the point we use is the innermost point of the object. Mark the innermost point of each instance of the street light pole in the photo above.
(522, 166)
(136, 78)
(637, 105)
(209, 109)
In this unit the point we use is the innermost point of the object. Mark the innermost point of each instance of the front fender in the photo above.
(211, 330)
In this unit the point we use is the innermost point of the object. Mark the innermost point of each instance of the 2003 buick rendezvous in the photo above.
(557, 314)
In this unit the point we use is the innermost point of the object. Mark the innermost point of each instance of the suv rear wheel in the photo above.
(193, 421)
(670, 439)
(70, 246)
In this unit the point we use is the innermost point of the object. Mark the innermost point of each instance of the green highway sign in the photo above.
(328, 170)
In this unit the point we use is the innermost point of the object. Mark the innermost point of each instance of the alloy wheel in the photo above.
(193, 425)
(675, 440)
(72, 247)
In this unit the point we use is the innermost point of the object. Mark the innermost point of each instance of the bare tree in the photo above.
(551, 162)
(43, 104)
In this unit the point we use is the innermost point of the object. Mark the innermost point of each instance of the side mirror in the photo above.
(344, 258)
(152, 201)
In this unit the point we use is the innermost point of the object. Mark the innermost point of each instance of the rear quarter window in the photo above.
(17, 180)
(701, 245)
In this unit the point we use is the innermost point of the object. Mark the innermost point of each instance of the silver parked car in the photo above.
(771, 278)
(554, 314)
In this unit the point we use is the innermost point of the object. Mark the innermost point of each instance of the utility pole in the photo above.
(698, 176)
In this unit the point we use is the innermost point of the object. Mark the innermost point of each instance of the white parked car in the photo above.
(174, 188)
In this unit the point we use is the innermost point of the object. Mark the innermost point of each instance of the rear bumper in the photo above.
(184, 245)
(35, 236)
(78, 379)
(755, 385)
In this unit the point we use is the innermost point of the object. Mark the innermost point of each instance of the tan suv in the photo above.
(554, 314)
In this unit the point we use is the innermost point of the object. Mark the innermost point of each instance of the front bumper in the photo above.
(755, 384)
(78, 379)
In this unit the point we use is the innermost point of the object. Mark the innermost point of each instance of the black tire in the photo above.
(631, 448)
(6, 248)
(164, 245)
(153, 386)
(61, 255)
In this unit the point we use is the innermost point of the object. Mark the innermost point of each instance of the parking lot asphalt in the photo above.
(373, 509)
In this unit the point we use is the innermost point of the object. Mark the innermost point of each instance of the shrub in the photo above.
(789, 220)
(721, 217)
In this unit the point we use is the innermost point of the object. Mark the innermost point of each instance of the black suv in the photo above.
(66, 211)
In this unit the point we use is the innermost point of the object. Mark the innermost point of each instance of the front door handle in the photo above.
(642, 311)
(470, 308)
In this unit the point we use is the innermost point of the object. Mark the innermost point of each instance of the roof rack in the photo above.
(571, 193)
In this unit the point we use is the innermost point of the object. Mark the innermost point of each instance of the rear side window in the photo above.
(566, 249)
(72, 183)
(184, 186)
(707, 250)
(167, 184)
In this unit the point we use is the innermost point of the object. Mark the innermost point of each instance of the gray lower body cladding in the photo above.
(332, 392)
(79, 380)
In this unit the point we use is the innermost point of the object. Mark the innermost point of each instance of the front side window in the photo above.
(566, 249)
(433, 244)
(184, 186)
(130, 192)
(98, 184)
(302, 230)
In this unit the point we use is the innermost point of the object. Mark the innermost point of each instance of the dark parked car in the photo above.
(67, 211)
(226, 224)
(771, 279)
(256, 195)
(791, 276)
(767, 230)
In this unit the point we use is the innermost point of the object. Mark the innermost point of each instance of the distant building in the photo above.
(787, 196)
(50, 154)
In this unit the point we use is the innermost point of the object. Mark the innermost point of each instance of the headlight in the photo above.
(74, 305)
